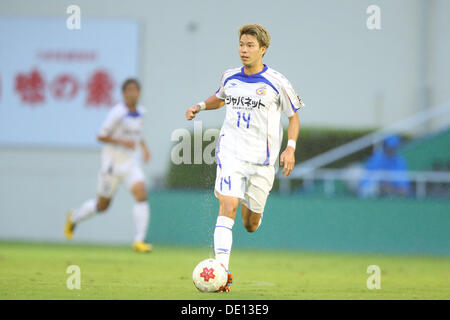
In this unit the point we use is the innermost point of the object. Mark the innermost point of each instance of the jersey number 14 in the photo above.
(244, 118)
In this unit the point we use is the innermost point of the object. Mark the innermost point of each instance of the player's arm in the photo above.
(109, 125)
(213, 102)
(145, 151)
(126, 143)
(287, 158)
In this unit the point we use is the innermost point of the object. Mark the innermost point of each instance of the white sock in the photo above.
(223, 239)
(260, 220)
(87, 210)
(141, 214)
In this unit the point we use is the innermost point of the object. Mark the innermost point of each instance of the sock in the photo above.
(141, 214)
(260, 220)
(223, 239)
(87, 210)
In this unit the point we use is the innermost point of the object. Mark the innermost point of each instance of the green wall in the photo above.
(421, 154)
(405, 226)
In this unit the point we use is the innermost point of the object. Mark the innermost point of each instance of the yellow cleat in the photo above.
(141, 246)
(69, 226)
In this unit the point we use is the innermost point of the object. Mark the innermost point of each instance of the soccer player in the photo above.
(249, 143)
(121, 135)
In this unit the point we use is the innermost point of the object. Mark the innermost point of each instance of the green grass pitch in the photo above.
(38, 271)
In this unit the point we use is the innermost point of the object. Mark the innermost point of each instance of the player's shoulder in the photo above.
(230, 72)
(277, 77)
(118, 110)
(141, 109)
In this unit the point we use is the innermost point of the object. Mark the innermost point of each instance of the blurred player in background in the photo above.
(247, 150)
(121, 134)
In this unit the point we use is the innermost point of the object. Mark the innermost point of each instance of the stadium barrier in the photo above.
(339, 224)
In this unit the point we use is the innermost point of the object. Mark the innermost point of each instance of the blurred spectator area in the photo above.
(430, 153)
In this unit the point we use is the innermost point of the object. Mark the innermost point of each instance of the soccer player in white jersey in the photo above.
(121, 134)
(247, 150)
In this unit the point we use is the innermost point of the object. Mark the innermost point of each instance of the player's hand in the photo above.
(190, 113)
(147, 155)
(287, 159)
(130, 144)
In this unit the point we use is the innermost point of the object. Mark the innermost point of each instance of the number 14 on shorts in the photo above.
(226, 182)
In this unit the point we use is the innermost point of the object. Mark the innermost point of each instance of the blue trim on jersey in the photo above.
(292, 106)
(267, 155)
(218, 150)
(263, 70)
(251, 78)
(218, 162)
(133, 114)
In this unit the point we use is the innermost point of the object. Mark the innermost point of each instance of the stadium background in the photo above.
(350, 78)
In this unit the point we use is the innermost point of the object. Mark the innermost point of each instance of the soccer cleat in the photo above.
(226, 287)
(69, 226)
(141, 246)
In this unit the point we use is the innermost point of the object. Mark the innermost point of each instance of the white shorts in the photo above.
(249, 182)
(112, 174)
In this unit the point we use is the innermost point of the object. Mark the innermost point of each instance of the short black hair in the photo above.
(130, 81)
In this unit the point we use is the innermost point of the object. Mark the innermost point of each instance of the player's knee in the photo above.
(140, 192)
(102, 206)
(229, 208)
(251, 227)
(141, 197)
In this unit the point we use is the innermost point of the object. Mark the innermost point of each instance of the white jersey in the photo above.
(123, 124)
(252, 129)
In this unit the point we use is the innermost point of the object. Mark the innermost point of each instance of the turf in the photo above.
(38, 271)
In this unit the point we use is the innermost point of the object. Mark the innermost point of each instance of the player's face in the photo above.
(250, 51)
(131, 94)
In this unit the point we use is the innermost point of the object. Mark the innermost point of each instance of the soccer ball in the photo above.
(209, 276)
